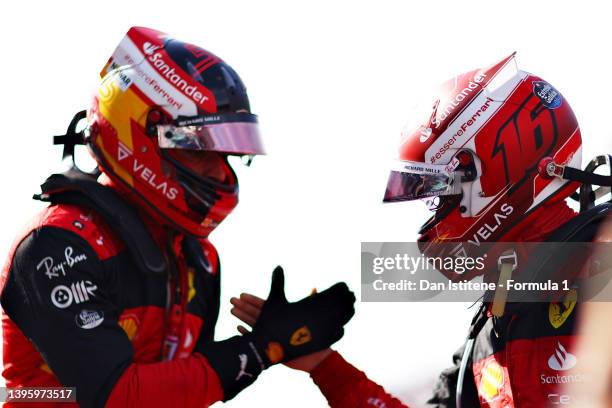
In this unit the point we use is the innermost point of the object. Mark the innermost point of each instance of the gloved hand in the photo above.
(283, 332)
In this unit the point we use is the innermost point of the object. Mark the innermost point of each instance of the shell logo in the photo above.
(492, 380)
(130, 325)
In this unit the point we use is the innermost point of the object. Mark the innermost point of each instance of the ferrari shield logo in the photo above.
(558, 312)
(300, 336)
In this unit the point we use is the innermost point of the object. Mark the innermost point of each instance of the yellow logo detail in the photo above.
(129, 324)
(492, 380)
(300, 336)
(440, 238)
(190, 278)
(46, 368)
(275, 352)
(558, 312)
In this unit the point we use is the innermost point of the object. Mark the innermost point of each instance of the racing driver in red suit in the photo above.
(114, 288)
(499, 153)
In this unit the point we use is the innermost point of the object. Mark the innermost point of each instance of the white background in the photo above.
(332, 83)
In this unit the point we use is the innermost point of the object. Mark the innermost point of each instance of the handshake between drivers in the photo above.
(282, 332)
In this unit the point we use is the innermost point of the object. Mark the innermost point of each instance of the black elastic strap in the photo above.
(71, 138)
(587, 196)
(572, 174)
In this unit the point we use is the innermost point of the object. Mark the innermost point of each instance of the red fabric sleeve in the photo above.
(344, 386)
(188, 382)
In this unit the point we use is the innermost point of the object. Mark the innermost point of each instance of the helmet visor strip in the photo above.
(231, 133)
(412, 181)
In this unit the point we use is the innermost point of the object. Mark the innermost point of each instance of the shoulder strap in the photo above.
(583, 227)
(78, 188)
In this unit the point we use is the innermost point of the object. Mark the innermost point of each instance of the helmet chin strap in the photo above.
(547, 168)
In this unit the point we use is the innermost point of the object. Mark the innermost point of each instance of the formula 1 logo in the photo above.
(63, 296)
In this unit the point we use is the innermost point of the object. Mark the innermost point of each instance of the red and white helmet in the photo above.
(482, 152)
(158, 96)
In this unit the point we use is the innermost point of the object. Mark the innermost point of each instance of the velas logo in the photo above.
(157, 60)
(145, 173)
(123, 151)
(151, 178)
(486, 231)
(561, 359)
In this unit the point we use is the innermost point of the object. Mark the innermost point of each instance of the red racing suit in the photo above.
(519, 360)
(77, 312)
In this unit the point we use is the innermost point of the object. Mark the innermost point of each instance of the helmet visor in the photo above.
(412, 181)
(231, 133)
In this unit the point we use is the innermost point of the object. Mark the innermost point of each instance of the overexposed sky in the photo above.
(332, 82)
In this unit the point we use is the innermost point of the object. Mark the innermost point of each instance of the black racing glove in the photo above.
(283, 332)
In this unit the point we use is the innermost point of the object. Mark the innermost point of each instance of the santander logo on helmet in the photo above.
(456, 98)
(149, 48)
(150, 81)
(500, 122)
(157, 60)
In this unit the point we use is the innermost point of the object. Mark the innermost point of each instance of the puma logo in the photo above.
(243, 363)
